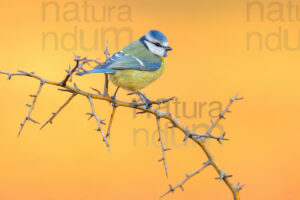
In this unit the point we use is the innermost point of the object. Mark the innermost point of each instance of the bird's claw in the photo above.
(148, 105)
(145, 100)
(113, 102)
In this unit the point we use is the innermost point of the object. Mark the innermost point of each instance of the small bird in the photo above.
(138, 64)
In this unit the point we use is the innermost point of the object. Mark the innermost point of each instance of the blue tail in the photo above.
(105, 71)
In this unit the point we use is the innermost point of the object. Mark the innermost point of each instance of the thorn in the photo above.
(223, 135)
(91, 115)
(223, 175)
(33, 95)
(171, 188)
(98, 92)
(173, 126)
(238, 187)
(222, 116)
(28, 105)
(181, 187)
(238, 98)
(187, 135)
(75, 86)
(142, 112)
(106, 52)
(220, 141)
(227, 176)
(76, 56)
(30, 119)
(161, 159)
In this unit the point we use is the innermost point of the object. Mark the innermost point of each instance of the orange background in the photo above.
(210, 62)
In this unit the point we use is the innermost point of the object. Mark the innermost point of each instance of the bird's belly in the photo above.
(135, 80)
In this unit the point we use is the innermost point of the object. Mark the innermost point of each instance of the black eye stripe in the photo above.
(155, 43)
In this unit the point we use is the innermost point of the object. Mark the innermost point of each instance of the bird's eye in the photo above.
(157, 44)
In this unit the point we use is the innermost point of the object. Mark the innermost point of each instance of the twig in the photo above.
(58, 111)
(107, 54)
(31, 108)
(222, 115)
(70, 72)
(80, 62)
(106, 85)
(98, 92)
(219, 139)
(238, 187)
(163, 148)
(111, 120)
(187, 177)
(93, 114)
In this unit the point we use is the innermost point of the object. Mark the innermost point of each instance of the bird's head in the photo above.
(157, 43)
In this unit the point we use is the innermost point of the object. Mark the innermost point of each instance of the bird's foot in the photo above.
(113, 102)
(148, 103)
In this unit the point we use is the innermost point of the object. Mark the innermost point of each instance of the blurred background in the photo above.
(220, 48)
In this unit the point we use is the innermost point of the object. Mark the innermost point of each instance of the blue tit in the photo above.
(138, 64)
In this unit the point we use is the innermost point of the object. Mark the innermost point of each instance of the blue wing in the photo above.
(122, 60)
(105, 71)
(134, 56)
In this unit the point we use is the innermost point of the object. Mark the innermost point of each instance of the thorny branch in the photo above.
(99, 122)
(58, 111)
(221, 116)
(187, 177)
(163, 148)
(31, 108)
(199, 139)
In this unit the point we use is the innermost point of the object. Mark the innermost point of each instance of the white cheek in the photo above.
(155, 49)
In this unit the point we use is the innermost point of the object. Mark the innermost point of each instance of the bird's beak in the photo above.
(169, 48)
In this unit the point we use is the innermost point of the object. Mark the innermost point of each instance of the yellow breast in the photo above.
(135, 80)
